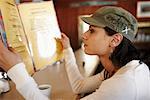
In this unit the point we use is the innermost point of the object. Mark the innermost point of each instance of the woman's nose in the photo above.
(85, 36)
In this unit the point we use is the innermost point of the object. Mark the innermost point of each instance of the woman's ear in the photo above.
(116, 39)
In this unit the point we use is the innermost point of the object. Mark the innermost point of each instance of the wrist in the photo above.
(18, 74)
(12, 65)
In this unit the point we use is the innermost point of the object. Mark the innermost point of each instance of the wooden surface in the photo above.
(54, 75)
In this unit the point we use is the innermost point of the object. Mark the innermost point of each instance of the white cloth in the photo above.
(4, 86)
(131, 82)
(25, 84)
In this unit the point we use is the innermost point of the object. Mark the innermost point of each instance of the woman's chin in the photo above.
(87, 52)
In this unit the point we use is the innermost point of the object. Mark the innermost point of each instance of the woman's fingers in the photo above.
(1, 43)
(12, 49)
(3, 48)
(65, 41)
(63, 35)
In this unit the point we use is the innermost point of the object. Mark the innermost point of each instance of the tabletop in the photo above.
(56, 76)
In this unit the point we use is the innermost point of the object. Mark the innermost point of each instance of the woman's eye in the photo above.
(91, 30)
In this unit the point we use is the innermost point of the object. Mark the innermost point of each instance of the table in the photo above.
(56, 76)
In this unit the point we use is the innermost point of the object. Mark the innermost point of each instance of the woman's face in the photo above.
(96, 41)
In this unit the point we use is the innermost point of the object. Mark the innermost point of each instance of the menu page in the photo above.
(14, 31)
(41, 28)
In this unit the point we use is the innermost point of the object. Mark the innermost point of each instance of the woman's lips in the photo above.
(85, 45)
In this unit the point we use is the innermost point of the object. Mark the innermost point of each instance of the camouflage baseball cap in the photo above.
(116, 18)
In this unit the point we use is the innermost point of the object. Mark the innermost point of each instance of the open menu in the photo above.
(31, 29)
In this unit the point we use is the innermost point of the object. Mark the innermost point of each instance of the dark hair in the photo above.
(124, 52)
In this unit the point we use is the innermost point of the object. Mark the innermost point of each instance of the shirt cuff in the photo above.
(66, 50)
(18, 74)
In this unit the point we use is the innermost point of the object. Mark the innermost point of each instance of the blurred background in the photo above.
(69, 13)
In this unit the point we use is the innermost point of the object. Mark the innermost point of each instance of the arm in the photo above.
(78, 83)
(116, 88)
(25, 84)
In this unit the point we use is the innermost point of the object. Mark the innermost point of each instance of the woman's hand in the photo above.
(8, 58)
(65, 41)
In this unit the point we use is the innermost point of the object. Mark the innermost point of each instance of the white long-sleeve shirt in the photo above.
(131, 82)
(25, 84)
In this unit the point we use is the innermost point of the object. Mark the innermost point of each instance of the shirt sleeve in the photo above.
(25, 84)
(118, 87)
(79, 83)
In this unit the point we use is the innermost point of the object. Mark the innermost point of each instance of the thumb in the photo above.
(12, 50)
(1, 43)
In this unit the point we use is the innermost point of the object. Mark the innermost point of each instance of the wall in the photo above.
(68, 16)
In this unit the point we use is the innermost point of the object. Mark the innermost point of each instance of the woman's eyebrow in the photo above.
(91, 26)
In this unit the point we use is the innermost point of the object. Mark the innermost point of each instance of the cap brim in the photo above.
(92, 21)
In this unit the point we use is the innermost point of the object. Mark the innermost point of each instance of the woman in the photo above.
(125, 76)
